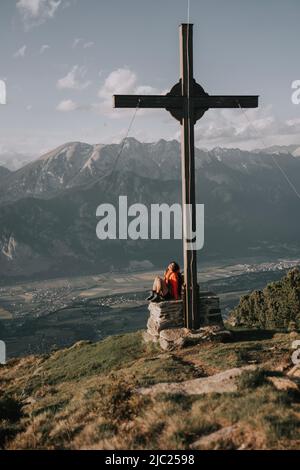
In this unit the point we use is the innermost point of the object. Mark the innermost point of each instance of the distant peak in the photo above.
(164, 142)
(64, 147)
(132, 140)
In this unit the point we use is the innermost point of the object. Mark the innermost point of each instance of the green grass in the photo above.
(282, 427)
(262, 347)
(87, 360)
(251, 379)
(168, 368)
(85, 396)
(96, 358)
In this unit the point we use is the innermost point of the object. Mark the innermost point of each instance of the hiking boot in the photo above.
(157, 298)
(151, 296)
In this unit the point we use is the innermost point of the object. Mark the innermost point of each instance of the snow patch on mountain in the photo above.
(95, 156)
(8, 247)
(296, 153)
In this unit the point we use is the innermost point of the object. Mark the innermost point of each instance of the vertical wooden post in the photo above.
(187, 102)
(192, 319)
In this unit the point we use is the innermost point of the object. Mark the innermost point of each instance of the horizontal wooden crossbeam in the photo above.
(227, 102)
(147, 101)
(177, 102)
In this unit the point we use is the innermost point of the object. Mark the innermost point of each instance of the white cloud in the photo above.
(76, 42)
(88, 45)
(252, 128)
(74, 80)
(20, 52)
(66, 106)
(122, 81)
(85, 44)
(44, 48)
(36, 12)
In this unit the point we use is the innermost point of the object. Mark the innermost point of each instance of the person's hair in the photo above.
(176, 266)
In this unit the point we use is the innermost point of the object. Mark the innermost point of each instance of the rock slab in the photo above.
(223, 382)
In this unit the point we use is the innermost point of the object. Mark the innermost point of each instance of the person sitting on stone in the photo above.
(169, 287)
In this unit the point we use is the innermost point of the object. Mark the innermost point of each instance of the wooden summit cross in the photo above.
(187, 102)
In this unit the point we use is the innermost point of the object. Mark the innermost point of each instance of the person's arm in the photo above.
(167, 276)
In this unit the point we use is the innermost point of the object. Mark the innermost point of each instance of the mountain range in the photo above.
(48, 207)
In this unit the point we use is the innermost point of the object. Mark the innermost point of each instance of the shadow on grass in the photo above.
(10, 416)
(252, 335)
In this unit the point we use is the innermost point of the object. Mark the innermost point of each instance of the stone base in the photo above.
(148, 338)
(178, 338)
(166, 321)
(164, 315)
(210, 312)
(174, 338)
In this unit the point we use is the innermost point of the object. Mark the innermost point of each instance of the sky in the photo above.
(62, 60)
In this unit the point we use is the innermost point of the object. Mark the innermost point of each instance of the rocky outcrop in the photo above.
(224, 382)
(283, 383)
(213, 440)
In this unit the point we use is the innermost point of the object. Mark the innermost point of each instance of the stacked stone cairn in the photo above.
(210, 309)
(163, 316)
(166, 324)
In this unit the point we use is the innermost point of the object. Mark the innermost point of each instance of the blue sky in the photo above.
(63, 59)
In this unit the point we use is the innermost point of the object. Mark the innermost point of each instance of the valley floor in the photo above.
(37, 317)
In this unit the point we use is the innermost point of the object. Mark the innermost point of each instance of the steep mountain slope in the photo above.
(76, 164)
(58, 235)
(48, 223)
(47, 175)
(89, 396)
(4, 172)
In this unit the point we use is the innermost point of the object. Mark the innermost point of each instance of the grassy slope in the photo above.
(84, 397)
